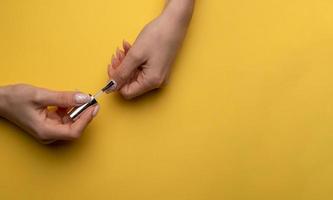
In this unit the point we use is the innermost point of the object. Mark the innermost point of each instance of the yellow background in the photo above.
(247, 114)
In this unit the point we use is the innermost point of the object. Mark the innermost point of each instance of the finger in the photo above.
(116, 60)
(113, 61)
(134, 89)
(120, 54)
(50, 131)
(131, 62)
(126, 46)
(84, 119)
(70, 131)
(132, 78)
(63, 114)
(61, 99)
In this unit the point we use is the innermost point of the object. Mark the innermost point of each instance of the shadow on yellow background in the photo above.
(247, 114)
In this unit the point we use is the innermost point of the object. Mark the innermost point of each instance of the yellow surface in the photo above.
(247, 114)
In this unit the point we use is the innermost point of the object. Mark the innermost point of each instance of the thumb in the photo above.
(61, 99)
(125, 70)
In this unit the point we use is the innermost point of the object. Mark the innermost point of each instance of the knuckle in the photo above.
(23, 88)
(37, 96)
(156, 81)
(20, 86)
(125, 93)
(126, 96)
(65, 98)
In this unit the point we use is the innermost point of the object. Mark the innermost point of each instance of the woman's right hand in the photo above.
(146, 65)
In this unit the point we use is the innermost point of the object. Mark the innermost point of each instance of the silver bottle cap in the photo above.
(77, 110)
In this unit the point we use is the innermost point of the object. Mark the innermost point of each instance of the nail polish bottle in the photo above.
(77, 110)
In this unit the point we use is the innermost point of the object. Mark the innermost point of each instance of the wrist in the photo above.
(3, 100)
(179, 12)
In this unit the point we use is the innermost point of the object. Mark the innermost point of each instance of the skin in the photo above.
(137, 69)
(146, 65)
(29, 108)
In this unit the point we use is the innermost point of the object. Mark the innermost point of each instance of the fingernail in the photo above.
(95, 111)
(81, 98)
(126, 46)
(118, 53)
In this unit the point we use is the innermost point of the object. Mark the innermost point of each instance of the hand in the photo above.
(146, 65)
(29, 108)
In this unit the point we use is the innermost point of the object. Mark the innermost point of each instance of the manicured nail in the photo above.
(126, 44)
(95, 111)
(118, 53)
(81, 98)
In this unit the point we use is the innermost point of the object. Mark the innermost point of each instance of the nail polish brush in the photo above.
(77, 110)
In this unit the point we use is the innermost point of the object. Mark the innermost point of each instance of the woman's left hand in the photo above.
(29, 108)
